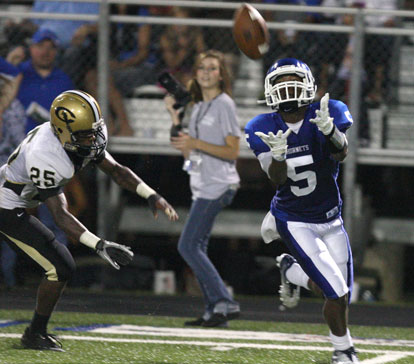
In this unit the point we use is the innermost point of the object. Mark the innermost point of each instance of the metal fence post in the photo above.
(103, 71)
(354, 106)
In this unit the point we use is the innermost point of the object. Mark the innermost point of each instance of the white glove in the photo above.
(115, 254)
(323, 121)
(277, 143)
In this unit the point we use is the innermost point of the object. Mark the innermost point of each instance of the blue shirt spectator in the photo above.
(42, 81)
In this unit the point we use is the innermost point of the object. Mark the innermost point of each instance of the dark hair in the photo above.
(225, 84)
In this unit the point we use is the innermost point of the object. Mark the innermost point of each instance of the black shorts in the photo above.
(28, 234)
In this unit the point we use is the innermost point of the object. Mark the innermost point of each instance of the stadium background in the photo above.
(376, 180)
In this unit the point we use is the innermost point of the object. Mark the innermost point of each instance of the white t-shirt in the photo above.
(212, 122)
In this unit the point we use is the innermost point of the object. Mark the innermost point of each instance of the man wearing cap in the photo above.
(42, 81)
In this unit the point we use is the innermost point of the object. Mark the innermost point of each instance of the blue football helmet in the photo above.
(292, 94)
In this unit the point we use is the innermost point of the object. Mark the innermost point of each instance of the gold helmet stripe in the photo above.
(90, 100)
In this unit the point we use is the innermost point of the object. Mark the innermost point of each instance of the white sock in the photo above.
(341, 342)
(296, 275)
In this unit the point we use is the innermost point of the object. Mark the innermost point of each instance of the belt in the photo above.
(17, 188)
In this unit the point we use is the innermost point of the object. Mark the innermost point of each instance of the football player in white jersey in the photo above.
(35, 173)
(299, 146)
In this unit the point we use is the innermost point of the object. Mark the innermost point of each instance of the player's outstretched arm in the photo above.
(127, 179)
(116, 254)
(337, 142)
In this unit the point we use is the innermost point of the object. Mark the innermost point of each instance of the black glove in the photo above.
(152, 200)
(115, 254)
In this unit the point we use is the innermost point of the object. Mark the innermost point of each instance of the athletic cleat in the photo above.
(289, 293)
(348, 356)
(38, 341)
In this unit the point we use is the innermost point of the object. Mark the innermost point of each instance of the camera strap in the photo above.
(200, 117)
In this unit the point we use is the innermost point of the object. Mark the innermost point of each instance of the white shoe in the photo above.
(347, 356)
(289, 293)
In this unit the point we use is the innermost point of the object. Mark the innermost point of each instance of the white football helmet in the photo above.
(75, 115)
(295, 94)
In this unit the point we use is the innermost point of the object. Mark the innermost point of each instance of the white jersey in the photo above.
(39, 162)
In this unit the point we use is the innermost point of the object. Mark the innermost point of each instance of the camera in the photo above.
(181, 95)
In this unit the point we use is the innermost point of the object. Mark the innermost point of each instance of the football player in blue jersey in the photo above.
(299, 145)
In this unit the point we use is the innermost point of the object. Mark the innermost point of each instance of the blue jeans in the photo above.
(193, 245)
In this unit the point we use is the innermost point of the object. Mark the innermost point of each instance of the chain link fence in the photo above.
(148, 38)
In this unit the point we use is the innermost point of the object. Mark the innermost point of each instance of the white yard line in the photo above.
(216, 344)
(237, 335)
(387, 358)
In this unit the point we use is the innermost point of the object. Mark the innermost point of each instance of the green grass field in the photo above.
(127, 339)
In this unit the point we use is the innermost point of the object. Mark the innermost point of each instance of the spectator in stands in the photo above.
(179, 45)
(79, 54)
(378, 49)
(42, 80)
(325, 54)
(133, 55)
(210, 150)
(12, 124)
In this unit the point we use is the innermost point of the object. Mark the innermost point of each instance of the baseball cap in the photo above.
(43, 34)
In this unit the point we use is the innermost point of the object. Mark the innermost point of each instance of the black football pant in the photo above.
(25, 232)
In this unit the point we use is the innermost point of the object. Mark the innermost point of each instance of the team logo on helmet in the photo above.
(62, 113)
(77, 122)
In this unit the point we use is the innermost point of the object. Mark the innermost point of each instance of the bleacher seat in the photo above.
(150, 119)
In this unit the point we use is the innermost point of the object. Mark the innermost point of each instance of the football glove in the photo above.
(323, 120)
(115, 254)
(277, 143)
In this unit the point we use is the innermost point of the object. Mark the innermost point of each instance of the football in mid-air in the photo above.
(250, 32)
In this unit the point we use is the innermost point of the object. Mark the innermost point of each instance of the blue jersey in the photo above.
(310, 193)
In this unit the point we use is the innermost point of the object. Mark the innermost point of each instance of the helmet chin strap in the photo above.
(289, 107)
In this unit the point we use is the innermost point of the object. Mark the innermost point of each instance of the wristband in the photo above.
(144, 190)
(336, 140)
(89, 239)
